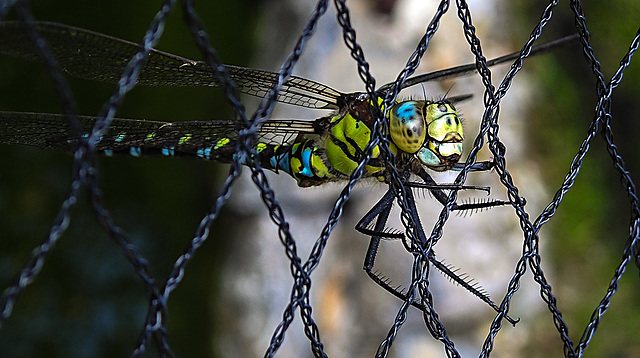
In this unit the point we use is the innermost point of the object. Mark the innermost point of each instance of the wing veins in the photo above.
(46, 130)
(468, 69)
(94, 56)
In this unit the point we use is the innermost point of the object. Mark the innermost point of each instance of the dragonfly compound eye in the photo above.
(407, 126)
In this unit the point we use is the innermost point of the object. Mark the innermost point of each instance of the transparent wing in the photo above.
(53, 131)
(95, 56)
(468, 69)
(90, 55)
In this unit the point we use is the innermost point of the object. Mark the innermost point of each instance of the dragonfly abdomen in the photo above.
(301, 160)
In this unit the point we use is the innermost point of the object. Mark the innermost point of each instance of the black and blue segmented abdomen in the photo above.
(280, 148)
(301, 159)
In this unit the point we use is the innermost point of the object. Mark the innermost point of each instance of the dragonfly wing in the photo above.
(46, 130)
(53, 131)
(465, 70)
(95, 56)
(284, 131)
(296, 90)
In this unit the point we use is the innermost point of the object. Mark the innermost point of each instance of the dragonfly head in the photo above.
(432, 131)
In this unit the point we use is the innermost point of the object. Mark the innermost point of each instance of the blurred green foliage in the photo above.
(583, 243)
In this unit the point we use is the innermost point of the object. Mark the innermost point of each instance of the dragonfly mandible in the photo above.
(423, 134)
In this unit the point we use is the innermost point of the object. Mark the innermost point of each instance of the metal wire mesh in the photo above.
(154, 329)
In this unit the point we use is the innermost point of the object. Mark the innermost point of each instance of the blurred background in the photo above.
(87, 300)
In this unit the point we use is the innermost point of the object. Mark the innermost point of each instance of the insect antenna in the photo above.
(446, 94)
(424, 91)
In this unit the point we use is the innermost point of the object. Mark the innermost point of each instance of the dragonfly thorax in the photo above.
(432, 131)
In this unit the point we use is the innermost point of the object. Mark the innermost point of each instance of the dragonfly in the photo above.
(423, 135)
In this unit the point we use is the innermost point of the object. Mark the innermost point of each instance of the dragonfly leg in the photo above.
(438, 193)
(476, 167)
(380, 213)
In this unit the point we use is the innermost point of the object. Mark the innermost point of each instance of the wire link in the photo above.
(419, 242)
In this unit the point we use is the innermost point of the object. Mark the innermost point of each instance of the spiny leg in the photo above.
(381, 211)
(437, 189)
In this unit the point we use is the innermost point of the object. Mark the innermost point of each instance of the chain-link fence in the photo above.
(155, 330)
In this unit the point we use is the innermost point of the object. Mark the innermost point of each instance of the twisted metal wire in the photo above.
(85, 175)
